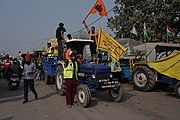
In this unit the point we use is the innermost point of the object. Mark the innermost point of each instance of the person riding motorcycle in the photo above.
(14, 69)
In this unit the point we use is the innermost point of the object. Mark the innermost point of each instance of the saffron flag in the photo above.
(107, 43)
(170, 32)
(98, 7)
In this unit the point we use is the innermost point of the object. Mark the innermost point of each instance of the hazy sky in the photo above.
(25, 24)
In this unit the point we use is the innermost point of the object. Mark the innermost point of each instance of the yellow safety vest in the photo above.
(69, 70)
(49, 52)
(55, 52)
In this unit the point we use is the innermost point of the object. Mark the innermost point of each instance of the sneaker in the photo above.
(69, 106)
(25, 101)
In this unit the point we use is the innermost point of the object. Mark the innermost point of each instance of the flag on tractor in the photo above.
(98, 7)
(107, 43)
(145, 32)
(42, 47)
(133, 31)
(170, 32)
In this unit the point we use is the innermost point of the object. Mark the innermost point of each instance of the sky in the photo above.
(25, 24)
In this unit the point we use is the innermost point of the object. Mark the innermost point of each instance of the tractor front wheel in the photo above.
(60, 82)
(117, 93)
(83, 95)
(47, 78)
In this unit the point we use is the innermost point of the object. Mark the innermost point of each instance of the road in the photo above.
(137, 105)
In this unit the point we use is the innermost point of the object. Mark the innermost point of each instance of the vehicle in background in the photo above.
(157, 62)
(14, 81)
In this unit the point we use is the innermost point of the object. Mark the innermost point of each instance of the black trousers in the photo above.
(30, 84)
(60, 49)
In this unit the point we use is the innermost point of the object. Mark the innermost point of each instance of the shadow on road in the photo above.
(48, 95)
(104, 96)
(8, 118)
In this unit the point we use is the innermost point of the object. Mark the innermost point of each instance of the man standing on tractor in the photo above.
(71, 78)
(92, 36)
(60, 39)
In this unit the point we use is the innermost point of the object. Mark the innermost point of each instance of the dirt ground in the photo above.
(155, 105)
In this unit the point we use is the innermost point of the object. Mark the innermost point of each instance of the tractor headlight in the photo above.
(81, 74)
(93, 76)
(110, 75)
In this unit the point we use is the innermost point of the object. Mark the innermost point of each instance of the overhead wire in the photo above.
(30, 42)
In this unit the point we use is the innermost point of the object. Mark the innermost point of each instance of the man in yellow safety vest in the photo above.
(71, 78)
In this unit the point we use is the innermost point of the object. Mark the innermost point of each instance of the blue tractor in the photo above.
(93, 77)
(49, 69)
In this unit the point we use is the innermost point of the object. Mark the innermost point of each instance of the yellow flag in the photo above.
(42, 47)
(107, 43)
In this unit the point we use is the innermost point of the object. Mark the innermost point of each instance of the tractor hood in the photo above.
(94, 68)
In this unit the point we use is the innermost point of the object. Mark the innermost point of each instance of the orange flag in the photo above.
(98, 7)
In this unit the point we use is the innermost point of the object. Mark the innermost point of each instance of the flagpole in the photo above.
(88, 13)
(145, 45)
(167, 33)
(85, 18)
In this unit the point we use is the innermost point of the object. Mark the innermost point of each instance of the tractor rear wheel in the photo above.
(83, 95)
(60, 82)
(47, 78)
(143, 78)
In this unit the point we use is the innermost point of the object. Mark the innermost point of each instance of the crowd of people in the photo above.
(5, 62)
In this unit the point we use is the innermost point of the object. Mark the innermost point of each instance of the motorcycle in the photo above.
(14, 81)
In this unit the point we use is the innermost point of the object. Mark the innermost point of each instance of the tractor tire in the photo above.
(117, 93)
(60, 82)
(83, 95)
(47, 78)
(143, 78)
(177, 90)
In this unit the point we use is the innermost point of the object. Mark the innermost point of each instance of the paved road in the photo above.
(50, 106)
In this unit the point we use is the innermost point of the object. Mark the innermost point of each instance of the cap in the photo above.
(61, 24)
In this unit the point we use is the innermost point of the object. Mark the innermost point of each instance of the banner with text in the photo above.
(107, 43)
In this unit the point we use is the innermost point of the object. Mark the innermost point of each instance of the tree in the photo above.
(157, 14)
